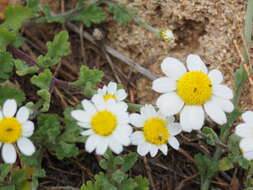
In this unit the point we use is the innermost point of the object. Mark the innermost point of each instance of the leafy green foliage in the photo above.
(49, 17)
(58, 48)
(225, 164)
(88, 80)
(11, 93)
(121, 13)
(115, 177)
(6, 66)
(4, 171)
(206, 166)
(210, 135)
(60, 139)
(23, 69)
(14, 19)
(91, 14)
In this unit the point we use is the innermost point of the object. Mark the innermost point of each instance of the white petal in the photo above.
(143, 148)
(9, 154)
(121, 94)
(116, 108)
(84, 125)
(91, 143)
(225, 104)
(102, 146)
(137, 120)
(148, 111)
(194, 63)
(99, 102)
(248, 155)
(173, 142)
(112, 87)
(23, 114)
(246, 144)
(170, 103)
(88, 106)
(164, 85)
(192, 117)
(215, 112)
(248, 117)
(137, 138)
(27, 128)
(9, 108)
(81, 115)
(173, 67)
(115, 146)
(174, 128)
(164, 149)
(123, 138)
(222, 91)
(215, 76)
(87, 132)
(244, 130)
(153, 150)
(26, 146)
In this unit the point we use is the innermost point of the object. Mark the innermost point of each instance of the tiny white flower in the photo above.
(245, 130)
(156, 131)
(192, 93)
(166, 35)
(111, 92)
(15, 128)
(106, 123)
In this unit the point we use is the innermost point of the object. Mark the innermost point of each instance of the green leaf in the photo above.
(4, 170)
(43, 80)
(225, 164)
(48, 17)
(58, 48)
(46, 98)
(128, 184)
(9, 187)
(210, 135)
(118, 176)
(6, 66)
(23, 69)
(143, 183)
(65, 150)
(15, 17)
(19, 178)
(88, 80)
(91, 14)
(6, 37)
(11, 93)
(49, 128)
(129, 161)
(206, 167)
(120, 13)
(102, 179)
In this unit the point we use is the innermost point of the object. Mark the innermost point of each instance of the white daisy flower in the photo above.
(157, 131)
(110, 92)
(106, 124)
(245, 130)
(15, 129)
(192, 92)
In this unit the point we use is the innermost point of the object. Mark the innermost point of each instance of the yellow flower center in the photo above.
(10, 130)
(155, 131)
(195, 88)
(104, 123)
(109, 96)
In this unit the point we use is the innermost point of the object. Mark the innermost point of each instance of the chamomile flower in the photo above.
(15, 130)
(110, 92)
(192, 92)
(245, 130)
(166, 35)
(106, 124)
(156, 131)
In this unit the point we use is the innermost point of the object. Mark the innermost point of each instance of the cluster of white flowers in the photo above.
(193, 92)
